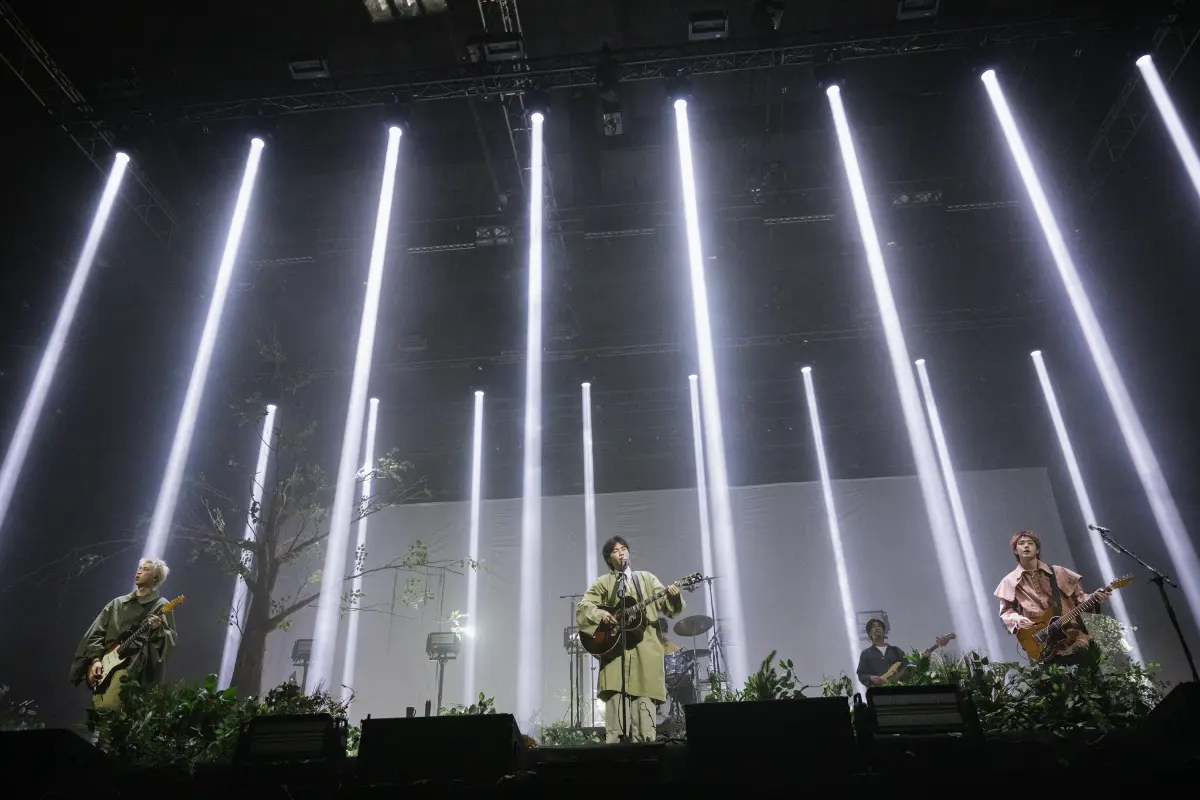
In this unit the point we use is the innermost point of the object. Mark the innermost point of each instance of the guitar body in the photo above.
(1047, 638)
(110, 695)
(605, 642)
(110, 663)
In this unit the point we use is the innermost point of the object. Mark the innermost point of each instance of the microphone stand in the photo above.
(624, 715)
(1161, 581)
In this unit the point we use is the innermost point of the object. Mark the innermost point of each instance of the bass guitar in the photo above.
(605, 642)
(1047, 638)
(941, 641)
(121, 652)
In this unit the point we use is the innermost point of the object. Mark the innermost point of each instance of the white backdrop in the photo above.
(789, 590)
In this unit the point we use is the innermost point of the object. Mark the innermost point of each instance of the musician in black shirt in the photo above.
(879, 657)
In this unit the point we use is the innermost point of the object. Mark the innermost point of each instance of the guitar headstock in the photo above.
(944, 640)
(171, 605)
(1122, 581)
(690, 580)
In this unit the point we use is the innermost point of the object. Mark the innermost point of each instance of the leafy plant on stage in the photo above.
(563, 734)
(484, 705)
(1109, 634)
(1079, 701)
(765, 684)
(290, 525)
(841, 686)
(182, 725)
(17, 716)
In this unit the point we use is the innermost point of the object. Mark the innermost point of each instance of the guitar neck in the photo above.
(1079, 609)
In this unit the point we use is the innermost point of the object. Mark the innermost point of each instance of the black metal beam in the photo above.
(37, 71)
(502, 79)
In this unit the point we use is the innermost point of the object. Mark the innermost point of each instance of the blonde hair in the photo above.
(161, 570)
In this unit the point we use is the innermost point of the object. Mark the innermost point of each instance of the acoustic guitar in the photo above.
(122, 651)
(1047, 638)
(941, 641)
(606, 641)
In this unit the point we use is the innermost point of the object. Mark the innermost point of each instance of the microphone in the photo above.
(1098, 529)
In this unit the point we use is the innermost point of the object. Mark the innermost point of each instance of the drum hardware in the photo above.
(580, 668)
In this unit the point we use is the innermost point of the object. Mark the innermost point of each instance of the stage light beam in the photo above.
(237, 609)
(329, 605)
(350, 659)
(729, 591)
(1170, 117)
(473, 550)
(18, 448)
(589, 487)
(1085, 502)
(529, 682)
(185, 428)
(1129, 422)
(706, 549)
(958, 593)
(982, 597)
(831, 516)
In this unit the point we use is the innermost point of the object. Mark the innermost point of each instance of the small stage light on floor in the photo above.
(301, 656)
(442, 646)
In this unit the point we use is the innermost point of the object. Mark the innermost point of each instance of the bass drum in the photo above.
(678, 668)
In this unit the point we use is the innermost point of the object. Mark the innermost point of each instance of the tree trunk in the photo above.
(248, 667)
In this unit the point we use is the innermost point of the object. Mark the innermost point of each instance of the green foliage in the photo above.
(1078, 701)
(766, 684)
(841, 686)
(16, 716)
(563, 734)
(182, 725)
(484, 705)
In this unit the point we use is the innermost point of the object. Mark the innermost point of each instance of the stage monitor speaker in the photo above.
(771, 738)
(292, 738)
(478, 748)
(60, 758)
(920, 711)
(1177, 717)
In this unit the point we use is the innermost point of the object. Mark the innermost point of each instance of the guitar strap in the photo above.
(1055, 594)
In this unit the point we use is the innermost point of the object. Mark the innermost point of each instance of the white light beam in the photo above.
(1170, 117)
(729, 591)
(181, 445)
(18, 448)
(529, 682)
(1154, 483)
(589, 487)
(473, 548)
(237, 609)
(706, 550)
(831, 516)
(981, 595)
(1085, 502)
(332, 576)
(958, 593)
(350, 660)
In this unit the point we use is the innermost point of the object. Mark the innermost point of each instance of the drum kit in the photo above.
(685, 678)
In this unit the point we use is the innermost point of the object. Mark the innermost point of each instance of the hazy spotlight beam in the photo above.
(350, 660)
(589, 486)
(181, 445)
(1170, 117)
(529, 682)
(949, 556)
(706, 551)
(1084, 501)
(729, 590)
(473, 549)
(332, 575)
(831, 516)
(982, 597)
(18, 448)
(1154, 483)
(233, 628)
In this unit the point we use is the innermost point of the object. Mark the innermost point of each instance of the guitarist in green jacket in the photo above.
(645, 679)
(126, 614)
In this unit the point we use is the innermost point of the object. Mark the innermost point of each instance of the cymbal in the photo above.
(702, 652)
(670, 647)
(694, 625)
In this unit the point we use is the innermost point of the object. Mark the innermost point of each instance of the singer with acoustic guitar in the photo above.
(1034, 596)
(630, 713)
(141, 619)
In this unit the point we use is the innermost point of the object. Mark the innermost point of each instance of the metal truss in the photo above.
(1172, 42)
(36, 70)
(506, 78)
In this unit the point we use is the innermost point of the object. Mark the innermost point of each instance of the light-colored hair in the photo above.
(161, 570)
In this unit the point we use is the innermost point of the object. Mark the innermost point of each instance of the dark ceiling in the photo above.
(185, 88)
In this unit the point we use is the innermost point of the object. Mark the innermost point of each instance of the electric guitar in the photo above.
(1047, 638)
(606, 641)
(941, 641)
(121, 652)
